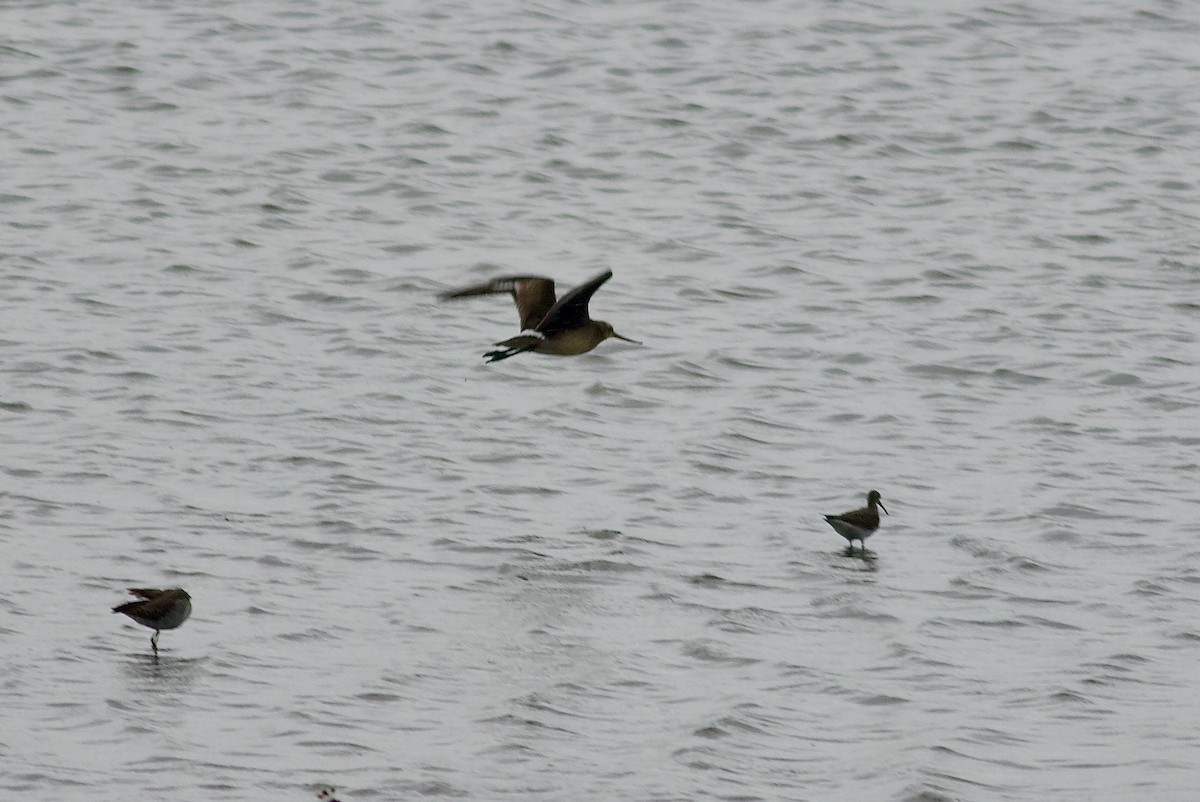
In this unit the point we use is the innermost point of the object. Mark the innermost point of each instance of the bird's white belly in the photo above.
(850, 531)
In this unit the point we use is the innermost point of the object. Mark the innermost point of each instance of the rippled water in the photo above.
(948, 252)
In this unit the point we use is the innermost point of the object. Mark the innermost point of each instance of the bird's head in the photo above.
(606, 330)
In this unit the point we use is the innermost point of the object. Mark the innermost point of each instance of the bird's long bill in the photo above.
(880, 503)
(626, 339)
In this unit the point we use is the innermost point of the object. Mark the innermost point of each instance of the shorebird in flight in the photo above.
(561, 327)
(157, 609)
(859, 524)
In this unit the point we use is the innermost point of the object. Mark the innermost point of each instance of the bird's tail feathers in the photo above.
(526, 341)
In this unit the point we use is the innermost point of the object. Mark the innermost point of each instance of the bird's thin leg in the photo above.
(154, 642)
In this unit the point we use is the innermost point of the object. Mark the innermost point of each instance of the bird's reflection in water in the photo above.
(163, 672)
(867, 558)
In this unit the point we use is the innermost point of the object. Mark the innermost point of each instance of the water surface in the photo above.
(947, 252)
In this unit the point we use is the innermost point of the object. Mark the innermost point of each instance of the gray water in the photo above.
(948, 251)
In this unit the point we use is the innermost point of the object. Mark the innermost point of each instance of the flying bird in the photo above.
(560, 327)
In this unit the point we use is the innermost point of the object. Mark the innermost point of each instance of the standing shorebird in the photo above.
(859, 524)
(157, 609)
(561, 327)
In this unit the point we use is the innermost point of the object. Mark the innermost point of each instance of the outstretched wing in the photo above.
(572, 310)
(534, 295)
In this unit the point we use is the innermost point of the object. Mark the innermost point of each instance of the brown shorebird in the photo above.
(158, 609)
(561, 327)
(859, 524)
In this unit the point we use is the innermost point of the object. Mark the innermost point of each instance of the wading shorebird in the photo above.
(561, 327)
(859, 524)
(158, 609)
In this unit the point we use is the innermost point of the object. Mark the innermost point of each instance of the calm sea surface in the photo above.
(948, 251)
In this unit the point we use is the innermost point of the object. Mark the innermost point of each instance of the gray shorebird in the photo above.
(157, 609)
(859, 524)
(561, 327)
